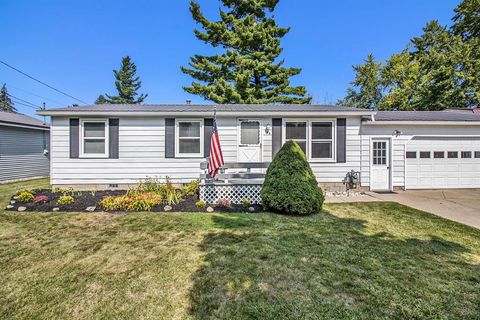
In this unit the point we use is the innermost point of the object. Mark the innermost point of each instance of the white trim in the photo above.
(177, 139)
(340, 114)
(389, 157)
(106, 138)
(239, 137)
(308, 139)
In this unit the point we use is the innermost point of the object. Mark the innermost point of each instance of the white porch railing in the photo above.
(235, 181)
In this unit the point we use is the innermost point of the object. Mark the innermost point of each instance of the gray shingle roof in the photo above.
(204, 108)
(426, 116)
(21, 119)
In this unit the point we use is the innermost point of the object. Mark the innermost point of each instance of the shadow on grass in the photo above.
(327, 267)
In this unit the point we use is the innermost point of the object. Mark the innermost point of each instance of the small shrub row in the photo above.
(131, 202)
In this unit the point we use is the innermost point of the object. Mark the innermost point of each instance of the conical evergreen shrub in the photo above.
(290, 185)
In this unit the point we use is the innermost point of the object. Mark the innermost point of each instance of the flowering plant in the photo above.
(224, 203)
(40, 198)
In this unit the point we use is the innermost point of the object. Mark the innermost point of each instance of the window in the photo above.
(425, 154)
(297, 131)
(439, 154)
(322, 140)
(452, 154)
(249, 132)
(189, 142)
(316, 138)
(379, 153)
(466, 154)
(477, 154)
(94, 137)
(411, 154)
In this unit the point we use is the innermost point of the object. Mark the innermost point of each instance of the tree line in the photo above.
(438, 70)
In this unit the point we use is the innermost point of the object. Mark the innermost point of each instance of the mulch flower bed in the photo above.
(91, 199)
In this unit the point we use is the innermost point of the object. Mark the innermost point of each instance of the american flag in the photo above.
(216, 157)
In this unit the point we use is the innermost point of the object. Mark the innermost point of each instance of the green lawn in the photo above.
(364, 261)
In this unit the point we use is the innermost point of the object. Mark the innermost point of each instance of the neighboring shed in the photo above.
(24, 145)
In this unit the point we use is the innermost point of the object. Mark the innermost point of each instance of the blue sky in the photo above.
(75, 45)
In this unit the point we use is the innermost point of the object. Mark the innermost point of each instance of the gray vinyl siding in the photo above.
(21, 153)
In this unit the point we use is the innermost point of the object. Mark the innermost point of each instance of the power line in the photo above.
(24, 104)
(25, 101)
(29, 76)
(34, 94)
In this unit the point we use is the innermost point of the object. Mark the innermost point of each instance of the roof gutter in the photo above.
(22, 125)
(413, 123)
(202, 114)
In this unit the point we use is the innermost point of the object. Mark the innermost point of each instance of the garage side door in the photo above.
(442, 163)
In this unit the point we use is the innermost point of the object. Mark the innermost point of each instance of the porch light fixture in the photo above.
(268, 129)
(396, 133)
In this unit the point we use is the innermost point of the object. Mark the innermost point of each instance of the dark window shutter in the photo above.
(276, 135)
(170, 138)
(74, 138)
(113, 138)
(341, 140)
(207, 134)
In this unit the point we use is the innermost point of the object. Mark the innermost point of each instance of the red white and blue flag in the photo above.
(216, 157)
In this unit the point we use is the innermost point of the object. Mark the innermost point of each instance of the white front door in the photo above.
(380, 177)
(249, 141)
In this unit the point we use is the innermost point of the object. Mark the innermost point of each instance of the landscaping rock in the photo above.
(16, 197)
(209, 209)
(22, 208)
(9, 207)
(13, 202)
(55, 209)
(167, 208)
(251, 209)
(90, 209)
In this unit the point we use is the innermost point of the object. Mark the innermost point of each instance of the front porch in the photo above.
(235, 181)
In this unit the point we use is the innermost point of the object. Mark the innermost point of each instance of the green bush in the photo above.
(290, 186)
(191, 189)
(200, 204)
(26, 196)
(65, 200)
(246, 202)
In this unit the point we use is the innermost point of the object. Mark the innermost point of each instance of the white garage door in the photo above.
(442, 163)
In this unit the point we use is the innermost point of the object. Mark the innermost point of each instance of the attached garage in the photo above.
(442, 163)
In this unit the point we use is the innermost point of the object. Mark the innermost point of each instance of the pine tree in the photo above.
(127, 84)
(101, 100)
(6, 103)
(366, 90)
(249, 69)
(467, 19)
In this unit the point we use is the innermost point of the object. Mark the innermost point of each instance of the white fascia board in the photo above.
(203, 114)
(420, 123)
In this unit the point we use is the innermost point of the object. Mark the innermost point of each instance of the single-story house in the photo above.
(24, 144)
(118, 145)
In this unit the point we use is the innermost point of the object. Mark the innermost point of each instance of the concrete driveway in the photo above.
(461, 205)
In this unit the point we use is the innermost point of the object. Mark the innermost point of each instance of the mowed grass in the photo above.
(352, 261)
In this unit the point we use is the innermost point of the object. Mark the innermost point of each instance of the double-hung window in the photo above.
(297, 131)
(94, 138)
(189, 138)
(315, 137)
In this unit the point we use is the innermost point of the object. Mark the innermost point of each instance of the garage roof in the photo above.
(426, 116)
(18, 119)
